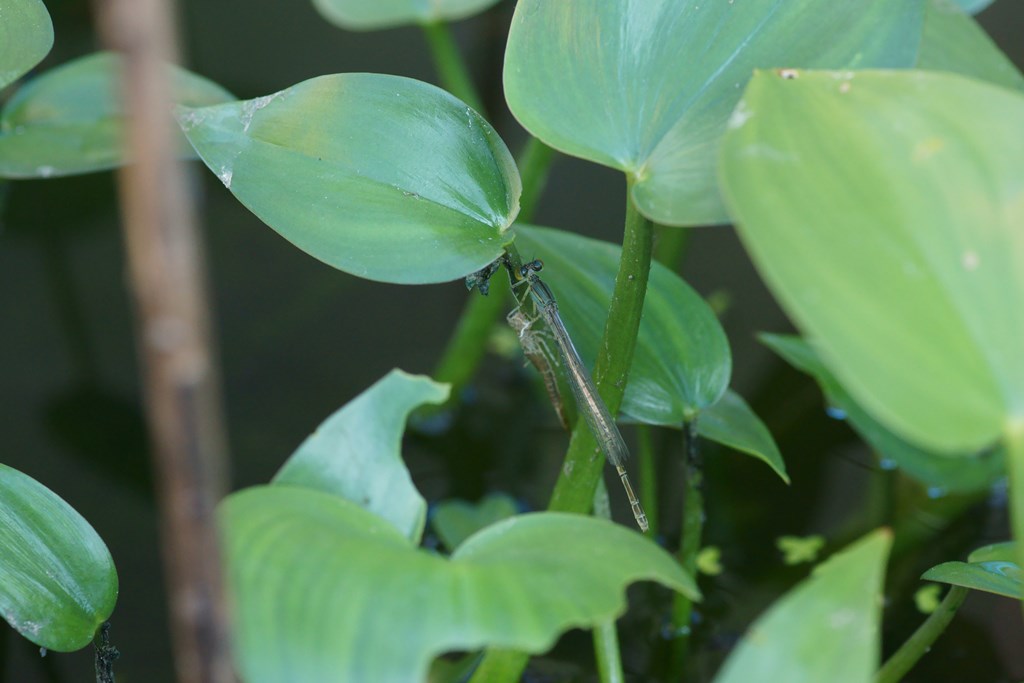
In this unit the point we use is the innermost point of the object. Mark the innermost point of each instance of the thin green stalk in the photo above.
(606, 637)
(921, 641)
(468, 344)
(574, 491)
(583, 463)
(606, 650)
(693, 527)
(450, 66)
(670, 245)
(534, 164)
(1013, 440)
(648, 476)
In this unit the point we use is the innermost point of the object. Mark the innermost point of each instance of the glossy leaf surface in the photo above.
(356, 453)
(896, 245)
(383, 177)
(323, 589)
(26, 36)
(456, 520)
(829, 618)
(952, 41)
(70, 119)
(992, 569)
(647, 86)
(367, 15)
(997, 552)
(963, 472)
(682, 361)
(57, 579)
(732, 423)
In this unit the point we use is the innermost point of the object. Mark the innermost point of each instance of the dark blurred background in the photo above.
(298, 339)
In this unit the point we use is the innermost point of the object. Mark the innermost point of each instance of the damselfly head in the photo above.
(535, 265)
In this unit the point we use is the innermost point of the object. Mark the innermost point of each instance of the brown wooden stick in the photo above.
(181, 384)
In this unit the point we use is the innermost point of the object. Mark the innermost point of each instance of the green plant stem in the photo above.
(693, 527)
(468, 344)
(648, 477)
(670, 246)
(1013, 440)
(921, 641)
(450, 67)
(606, 649)
(581, 470)
(606, 637)
(534, 165)
(574, 490)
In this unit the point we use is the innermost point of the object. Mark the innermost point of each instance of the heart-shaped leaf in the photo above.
(884, 211)
(368, 15)
(57, 579)
(647, 86)
(325, 590)
(383, 177)
(732, 423)
(356, 452)
(682, 361)
(965, 472)
(829, 618)
(70, 119)
(952, 41)
(992, 569)
(456, 520)
(26, 36)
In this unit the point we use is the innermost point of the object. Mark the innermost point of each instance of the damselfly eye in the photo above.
(536, 265)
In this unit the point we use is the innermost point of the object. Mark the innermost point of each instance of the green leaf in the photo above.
(682, 361)
(647, 86)
(356, 452)
(830, 618)
(999, 577)
(953, 41)
(966, 472)
(26, 36)
(369, 15)
(456, 520)
(732, 423)
(973, 6)
(70, 119)
(57, 579)
(997, 552)
(991, 568)
(325, 591)
(884, 211)
(383, 177)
